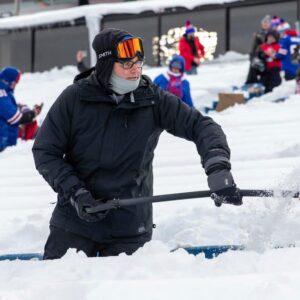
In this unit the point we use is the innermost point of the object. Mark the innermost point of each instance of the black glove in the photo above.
(231, 195)
(83, 199)
(223, 188)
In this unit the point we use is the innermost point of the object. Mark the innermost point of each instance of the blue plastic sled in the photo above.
(212, 251)
(209, 252)
(22, 256)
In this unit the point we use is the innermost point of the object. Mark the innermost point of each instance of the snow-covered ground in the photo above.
(265, 142)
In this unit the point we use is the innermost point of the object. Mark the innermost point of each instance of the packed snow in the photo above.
(265, 141)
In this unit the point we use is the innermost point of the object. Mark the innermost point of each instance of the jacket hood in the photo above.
(177, 62)
(105, 44)
(92, 90)
(84, 74)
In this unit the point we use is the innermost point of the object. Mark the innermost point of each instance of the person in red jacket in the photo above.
(270, 77)
(191, 49)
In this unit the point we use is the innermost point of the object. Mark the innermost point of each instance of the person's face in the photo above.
(191, 36)
(133, 73)
(175, 70)
(13, 85)
(271, 39)
(282, 34)
(265, 25)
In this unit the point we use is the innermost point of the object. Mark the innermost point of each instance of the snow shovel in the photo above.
(118, 203)
(209, 252)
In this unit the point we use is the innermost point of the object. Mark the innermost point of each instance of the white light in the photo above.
(169, 43)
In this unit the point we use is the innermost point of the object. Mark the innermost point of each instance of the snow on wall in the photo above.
(94, 13)
(99, 10)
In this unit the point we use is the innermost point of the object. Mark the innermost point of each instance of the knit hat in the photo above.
(189, 27)
(105, 44)
(275, 22)
(283, 26)
(266, 19)
(177, 62)
(8, 75)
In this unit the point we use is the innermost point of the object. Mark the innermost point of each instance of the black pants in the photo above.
(288, 76)
(270, 79)
(59, 241)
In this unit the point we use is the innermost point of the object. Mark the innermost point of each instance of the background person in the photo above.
(267, 51)
(174, 81)
(80, 55)
(259, 38)
(10, 114)
(191, 49)
(289, 40)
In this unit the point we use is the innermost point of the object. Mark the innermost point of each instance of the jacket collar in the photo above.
(91, 90)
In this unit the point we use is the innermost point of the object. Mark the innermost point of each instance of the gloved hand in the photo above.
(223, 188)
(38, 108)
(83, 199)
(231, 195)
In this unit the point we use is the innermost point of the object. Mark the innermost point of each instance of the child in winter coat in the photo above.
(174, 82)
(267, 51)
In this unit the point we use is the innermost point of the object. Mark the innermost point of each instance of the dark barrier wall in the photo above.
(144, 27)
(244, 21)
(58, 46)
(151, 26)
(42, 48)
(15, 50)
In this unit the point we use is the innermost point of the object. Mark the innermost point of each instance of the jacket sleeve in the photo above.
(52, 143)
(257, 40)
(200, 48)
(283, 50)
(185, 51)
(158, 80)
(174, 116)
(187, 98)
(8, 110)
(260, 53)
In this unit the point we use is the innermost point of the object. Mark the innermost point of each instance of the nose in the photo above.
(136, 69)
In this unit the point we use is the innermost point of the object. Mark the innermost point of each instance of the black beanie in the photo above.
(105, 44)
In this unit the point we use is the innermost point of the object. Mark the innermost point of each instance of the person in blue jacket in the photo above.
(10, 115)
(289, 40)
(174, 81)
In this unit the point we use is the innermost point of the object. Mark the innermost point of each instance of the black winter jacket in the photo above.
(88, 139)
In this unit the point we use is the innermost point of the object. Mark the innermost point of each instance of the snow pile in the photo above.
(265, 142)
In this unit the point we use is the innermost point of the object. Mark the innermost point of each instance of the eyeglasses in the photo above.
(128, 64)
(130, 48)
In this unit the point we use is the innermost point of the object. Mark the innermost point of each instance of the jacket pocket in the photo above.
(131, 221)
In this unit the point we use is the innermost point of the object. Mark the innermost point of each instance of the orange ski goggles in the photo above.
(130, 48)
